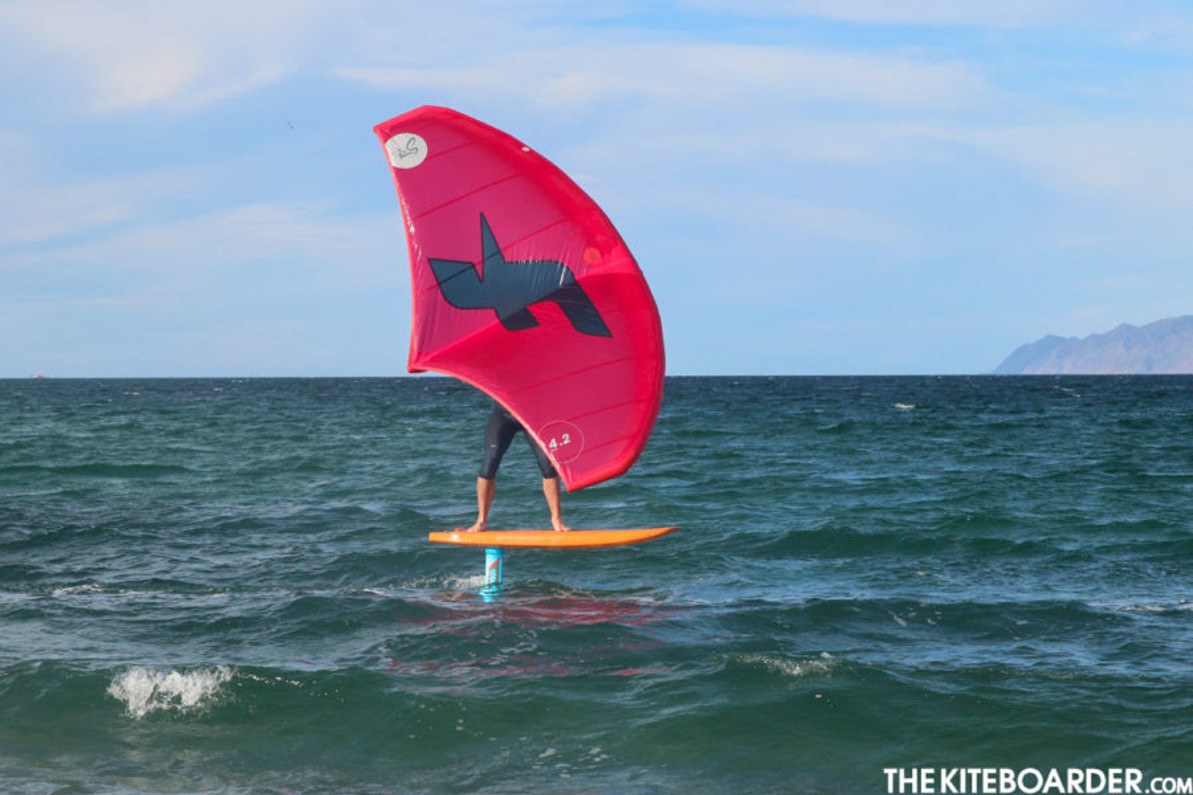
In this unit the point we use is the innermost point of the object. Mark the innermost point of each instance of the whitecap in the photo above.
(72, 590)
(468, 583)
(145, 690)
(1139, 608)
(405, 588)
(791, 667)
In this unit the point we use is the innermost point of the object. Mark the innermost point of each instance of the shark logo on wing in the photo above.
(510, 288)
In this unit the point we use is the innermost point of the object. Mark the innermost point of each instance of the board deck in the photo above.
(549, 539)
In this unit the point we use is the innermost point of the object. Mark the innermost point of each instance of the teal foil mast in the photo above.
(494, 564)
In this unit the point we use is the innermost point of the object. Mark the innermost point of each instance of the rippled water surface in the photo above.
(225, 586)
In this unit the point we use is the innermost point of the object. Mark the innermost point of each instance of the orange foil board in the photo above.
(549, 539)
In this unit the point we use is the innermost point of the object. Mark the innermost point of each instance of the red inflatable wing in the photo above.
(523, 288)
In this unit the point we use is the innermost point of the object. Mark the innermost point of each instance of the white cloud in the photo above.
(789, 221)
(714, 77)
(1127, 161)
(32, 211)
(128, 54)
(261, 289)
(1001, 14)
(195, 265)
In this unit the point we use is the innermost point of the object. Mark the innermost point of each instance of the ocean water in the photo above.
(224, 586)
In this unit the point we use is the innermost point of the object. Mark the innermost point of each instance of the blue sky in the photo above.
(810, 186)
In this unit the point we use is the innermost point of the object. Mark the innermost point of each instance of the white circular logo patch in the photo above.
(563, 440)
(406, 150)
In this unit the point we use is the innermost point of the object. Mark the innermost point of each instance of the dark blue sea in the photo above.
(225, 586)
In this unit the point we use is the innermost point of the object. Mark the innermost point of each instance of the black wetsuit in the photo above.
(501, 431)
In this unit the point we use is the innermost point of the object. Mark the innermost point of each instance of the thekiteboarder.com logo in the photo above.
(1030, 781)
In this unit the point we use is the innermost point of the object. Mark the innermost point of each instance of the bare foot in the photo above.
(560, 527)
(480, 526)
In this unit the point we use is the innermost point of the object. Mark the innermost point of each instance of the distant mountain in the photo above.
(1165, 346)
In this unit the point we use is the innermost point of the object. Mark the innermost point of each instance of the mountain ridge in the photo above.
(1162, 347)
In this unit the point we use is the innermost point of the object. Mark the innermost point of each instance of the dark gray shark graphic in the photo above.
(510, 288)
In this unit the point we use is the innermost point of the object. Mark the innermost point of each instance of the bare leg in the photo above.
(485, 490)
(552, 492)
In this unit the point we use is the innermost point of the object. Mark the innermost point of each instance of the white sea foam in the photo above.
(1131, 607)
(789, 666)
(73, 590)
(144, 690)
(469, 583)
(405, 588)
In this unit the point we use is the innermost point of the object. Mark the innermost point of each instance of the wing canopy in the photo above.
(523, 288)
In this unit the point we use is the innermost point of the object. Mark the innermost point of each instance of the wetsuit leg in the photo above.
(501, 431)
(499, 434)
(545, 465)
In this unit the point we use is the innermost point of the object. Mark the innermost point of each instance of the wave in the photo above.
(994, 575)
(971, 536)
(99, 470)
(667, 718)
(793, 667)
(144, 690)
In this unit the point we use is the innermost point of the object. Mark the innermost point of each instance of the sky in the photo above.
(811, 187)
